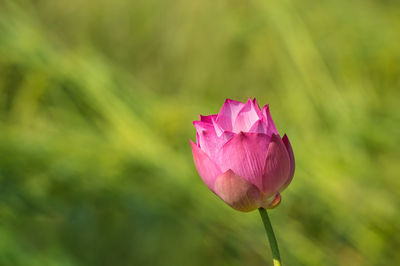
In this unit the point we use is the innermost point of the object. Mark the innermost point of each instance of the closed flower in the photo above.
(241, 157)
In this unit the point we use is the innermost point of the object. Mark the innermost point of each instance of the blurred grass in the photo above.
(96, 104)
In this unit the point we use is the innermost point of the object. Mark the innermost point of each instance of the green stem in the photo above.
(271, 237)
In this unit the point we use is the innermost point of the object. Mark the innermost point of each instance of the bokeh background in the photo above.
(97, 100)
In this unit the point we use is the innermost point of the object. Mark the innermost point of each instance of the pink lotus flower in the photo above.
(241, 157)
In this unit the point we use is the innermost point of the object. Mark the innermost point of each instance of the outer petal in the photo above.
(289, 149)
(267, 116)
(237, 192)
(277, 167)
(247, 116)
(207, 169)
(245, 154)
(228, 113)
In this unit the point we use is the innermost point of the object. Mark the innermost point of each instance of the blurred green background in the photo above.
(96, 103)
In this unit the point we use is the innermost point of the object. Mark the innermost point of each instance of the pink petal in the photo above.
(247, 116)
(201, 126)
(277, 167)
(207, 169)
(289, 149)
(208, 140)
(198, 139)
(256, 106)
(237, 192)
(270, 123)
(259, 127)
(207, 118)
(228, 113)
(218, 129)
(211, 144)
(245, 154)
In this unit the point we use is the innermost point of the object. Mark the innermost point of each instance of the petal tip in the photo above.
(274, 202)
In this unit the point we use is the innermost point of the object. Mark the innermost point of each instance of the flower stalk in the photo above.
(271, 237)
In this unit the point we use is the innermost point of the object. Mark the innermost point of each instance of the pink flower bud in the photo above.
(241, 157)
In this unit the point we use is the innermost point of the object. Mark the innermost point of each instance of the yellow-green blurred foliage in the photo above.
(96, 103)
